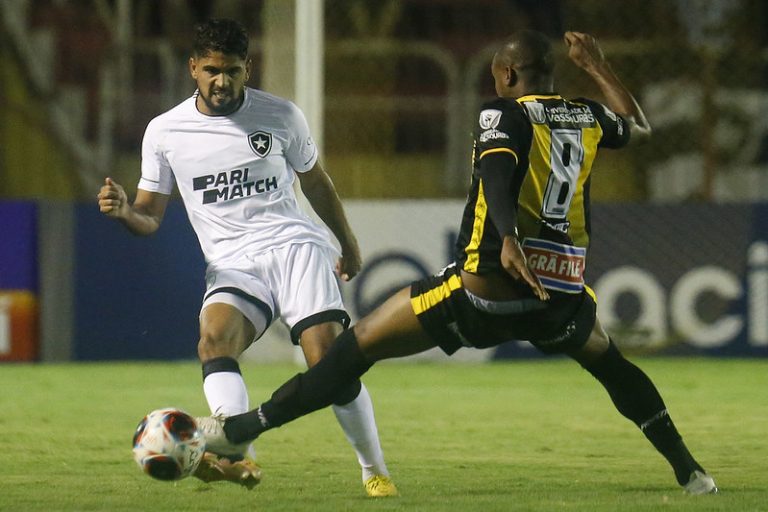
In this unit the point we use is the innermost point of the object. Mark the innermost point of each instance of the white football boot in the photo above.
(216, 441)
(700, 483)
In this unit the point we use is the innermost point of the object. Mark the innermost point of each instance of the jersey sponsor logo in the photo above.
(490, 118)
(492, 134)
(261, 142)
(233, 184)
(576, 115)
(559, 267)
(536, 112)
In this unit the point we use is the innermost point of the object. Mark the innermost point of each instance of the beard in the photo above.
(221, 102)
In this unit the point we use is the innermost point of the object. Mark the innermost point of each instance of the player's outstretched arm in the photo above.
(321, 194)
(585, 52)
(143, 217)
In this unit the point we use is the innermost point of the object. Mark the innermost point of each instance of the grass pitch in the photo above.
(539, 436)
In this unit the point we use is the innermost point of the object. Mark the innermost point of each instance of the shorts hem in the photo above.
(331, 315)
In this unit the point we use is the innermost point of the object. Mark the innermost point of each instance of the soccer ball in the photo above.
(167, 444)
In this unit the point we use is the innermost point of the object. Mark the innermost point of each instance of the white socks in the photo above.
(226, 393)
(359, 425)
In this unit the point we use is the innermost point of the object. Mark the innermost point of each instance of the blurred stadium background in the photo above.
(391, 89)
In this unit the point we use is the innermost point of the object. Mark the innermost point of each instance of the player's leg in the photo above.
(636, 398)
(234, 313)
(392, 330)
(354, 412)
(237, 308)
(224, 335)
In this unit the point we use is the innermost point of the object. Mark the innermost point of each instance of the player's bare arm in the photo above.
(321, 194)
(585, 52)
(143, 217)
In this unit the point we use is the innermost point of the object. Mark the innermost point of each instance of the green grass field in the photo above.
(538, 435)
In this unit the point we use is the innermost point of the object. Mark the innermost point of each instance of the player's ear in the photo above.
(193, 67)
(511, 76)
(248, 66)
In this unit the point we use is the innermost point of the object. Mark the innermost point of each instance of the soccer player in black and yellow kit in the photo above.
(520, 254)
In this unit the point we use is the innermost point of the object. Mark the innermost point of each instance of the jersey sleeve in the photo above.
(301, 152)
(501, 128)
(502, 143)
(616, 131)
(156, 173)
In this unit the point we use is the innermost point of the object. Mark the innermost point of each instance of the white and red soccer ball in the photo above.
(167, 444)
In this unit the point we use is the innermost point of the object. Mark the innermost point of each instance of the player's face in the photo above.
(220, 79)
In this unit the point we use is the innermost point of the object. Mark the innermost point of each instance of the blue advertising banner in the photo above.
(18, 245)
(136, 297)
(18, 281)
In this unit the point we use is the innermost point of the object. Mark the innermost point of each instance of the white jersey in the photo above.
(235, 173)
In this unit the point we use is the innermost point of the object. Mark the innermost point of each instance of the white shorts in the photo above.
(296, 283)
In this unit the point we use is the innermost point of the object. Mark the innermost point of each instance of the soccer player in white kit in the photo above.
(234, 153)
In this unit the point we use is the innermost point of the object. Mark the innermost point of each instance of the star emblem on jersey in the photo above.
(261, 143)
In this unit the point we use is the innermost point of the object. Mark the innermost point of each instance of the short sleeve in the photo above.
(156, 173)
(616, 131)
(503, 127)
(301, 152)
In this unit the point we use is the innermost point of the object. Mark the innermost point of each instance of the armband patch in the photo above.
(489, 118)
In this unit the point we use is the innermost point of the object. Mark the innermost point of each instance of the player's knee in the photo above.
(598, 344)
(206, 348)
(314, 349)
(316, 340)
(212, 344)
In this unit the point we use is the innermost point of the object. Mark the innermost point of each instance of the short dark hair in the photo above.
(220, 35)
(534, 52)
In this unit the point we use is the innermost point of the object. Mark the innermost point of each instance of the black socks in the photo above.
(220, 364)
(332, 380)
(637, 399)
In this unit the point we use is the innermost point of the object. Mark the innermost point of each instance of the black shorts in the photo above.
(448, 315)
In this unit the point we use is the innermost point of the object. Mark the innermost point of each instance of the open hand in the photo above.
(515, 263)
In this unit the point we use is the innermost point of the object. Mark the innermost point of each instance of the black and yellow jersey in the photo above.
(533, 156)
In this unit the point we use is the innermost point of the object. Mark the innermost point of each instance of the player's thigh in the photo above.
(224, 331)
(392, 330)
(237, 308)
(317, 339)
